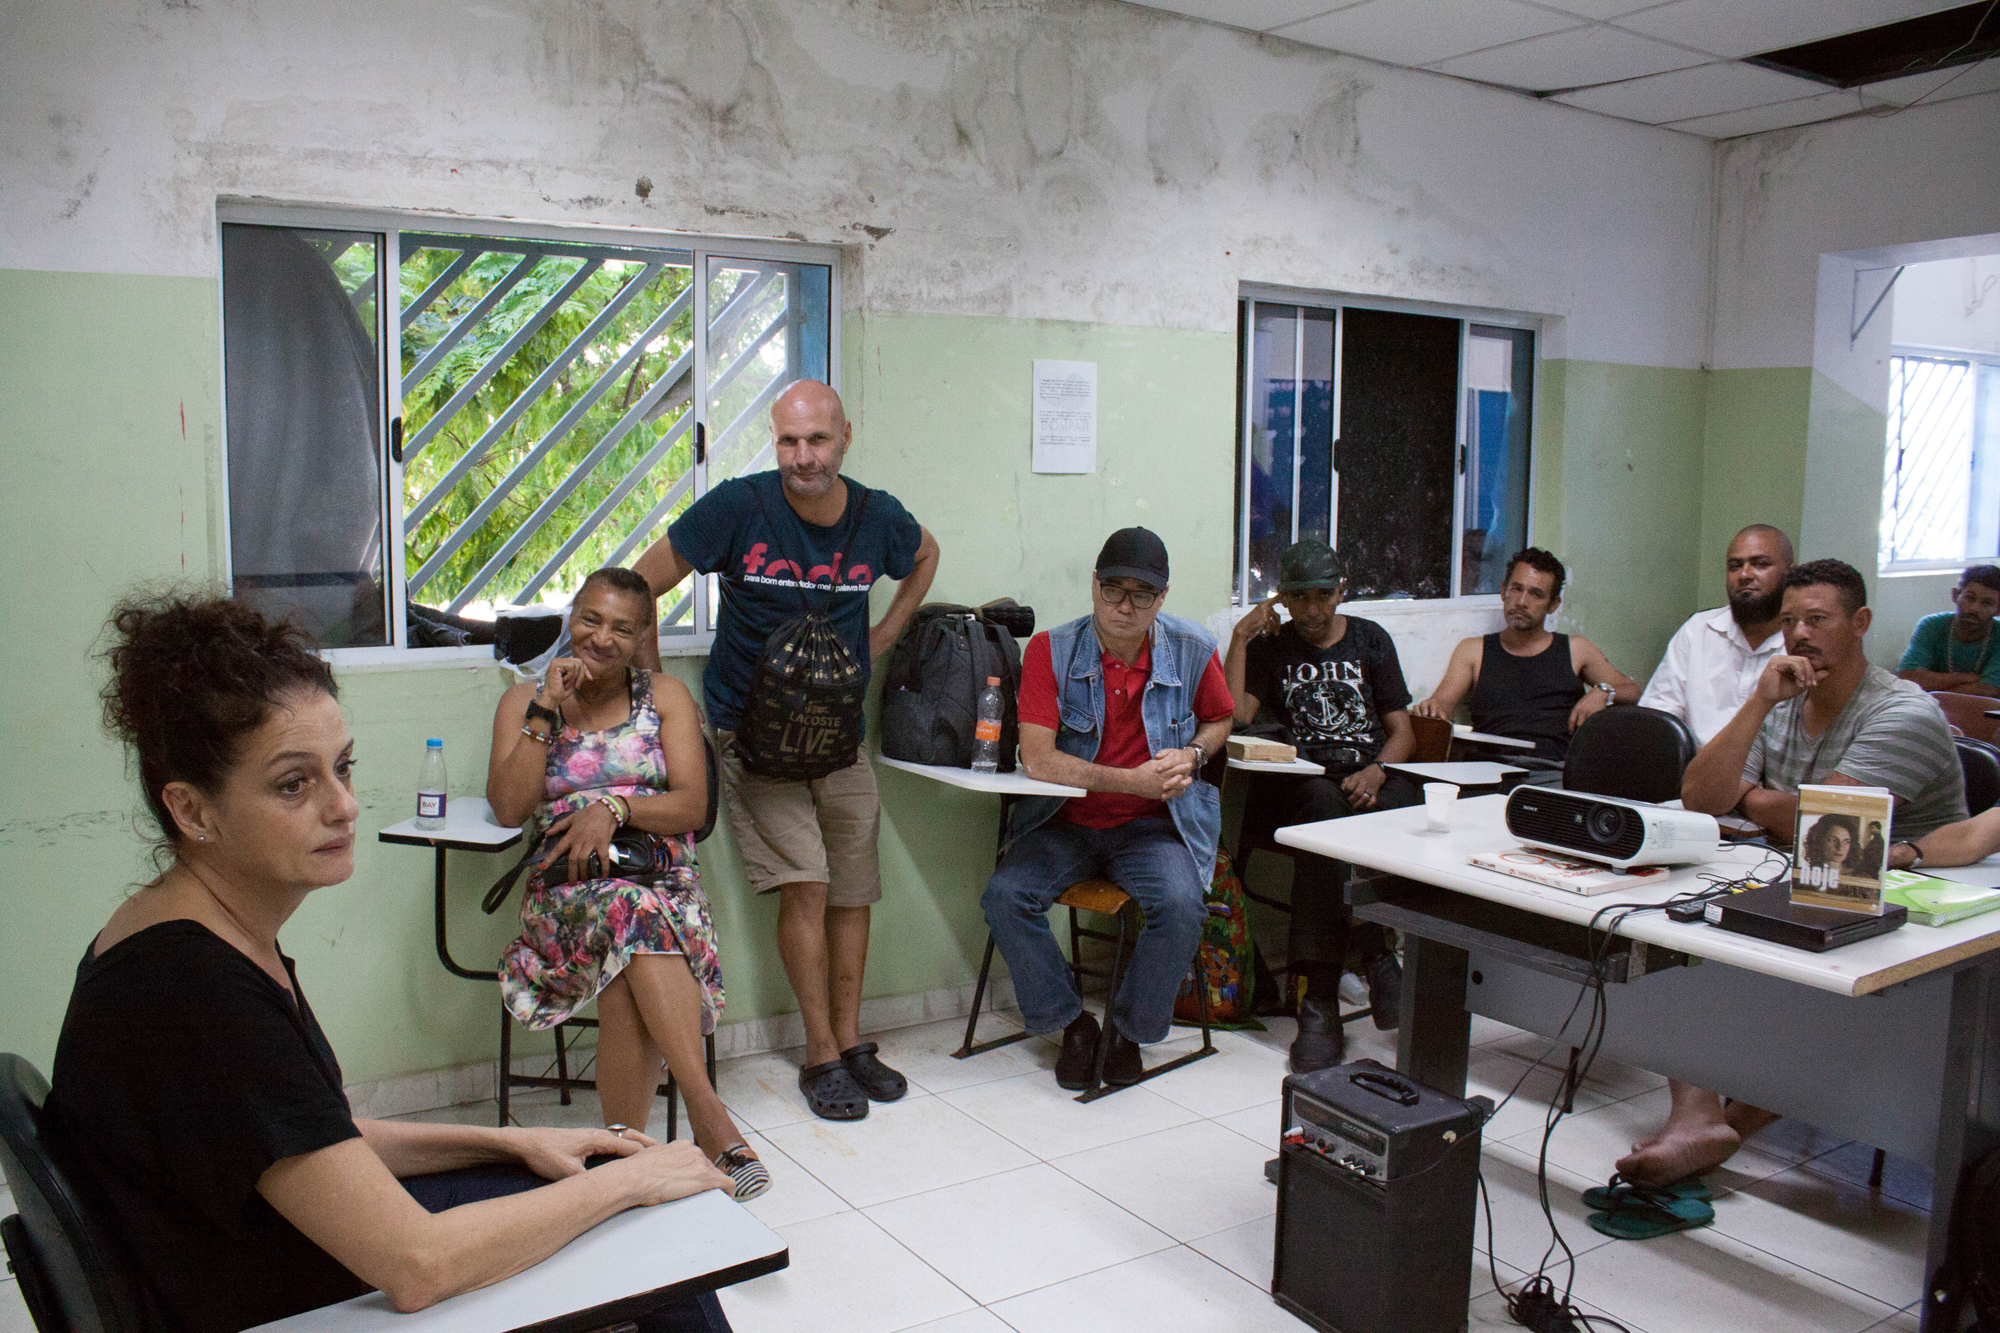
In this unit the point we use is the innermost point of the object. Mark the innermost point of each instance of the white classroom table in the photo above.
(1888, 1041)
(1016, 783)
(469, 826)
(1467, 773)
(1302, 767)
(616, 1270)
(1461, 732)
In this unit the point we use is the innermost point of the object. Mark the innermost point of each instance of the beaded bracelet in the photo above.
(611, 803)
(534, 735)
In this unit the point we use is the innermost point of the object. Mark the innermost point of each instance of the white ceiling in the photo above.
(1675, 64)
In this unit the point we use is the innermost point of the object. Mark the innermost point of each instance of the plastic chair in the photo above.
(1637, 754)
(1980, 762)
(1968, 712)
(1103, 897)
(75, 1276)
(564, 1032)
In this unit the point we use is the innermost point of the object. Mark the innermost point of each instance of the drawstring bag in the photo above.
(802, 717)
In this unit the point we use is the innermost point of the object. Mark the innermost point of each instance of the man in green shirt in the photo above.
(1959, 651)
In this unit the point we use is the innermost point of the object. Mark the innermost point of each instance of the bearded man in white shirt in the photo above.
(1713, 661)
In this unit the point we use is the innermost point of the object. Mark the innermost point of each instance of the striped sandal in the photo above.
(750, 1176)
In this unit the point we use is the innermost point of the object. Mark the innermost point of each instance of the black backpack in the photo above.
(930, 694)
(1971, 1268)
(802, 716)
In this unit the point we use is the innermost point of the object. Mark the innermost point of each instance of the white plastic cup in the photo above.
(1438, 799)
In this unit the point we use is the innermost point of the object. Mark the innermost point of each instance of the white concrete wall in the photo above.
(1798, 213)
(1950, 303)
(1071, 159)
(1424, 632)
(1786, 198)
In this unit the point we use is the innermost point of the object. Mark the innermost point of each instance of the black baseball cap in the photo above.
(1309, 564)
(1134, 553)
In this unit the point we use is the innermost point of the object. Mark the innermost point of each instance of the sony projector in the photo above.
(1618, 832)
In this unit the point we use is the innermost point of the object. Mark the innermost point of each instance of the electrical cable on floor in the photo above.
(1535, 1304)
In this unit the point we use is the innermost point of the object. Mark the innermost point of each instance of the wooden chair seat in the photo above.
(1095, 895)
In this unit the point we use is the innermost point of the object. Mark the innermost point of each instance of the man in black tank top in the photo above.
(1525, 681)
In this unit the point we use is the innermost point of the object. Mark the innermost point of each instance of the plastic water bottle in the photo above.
(986, 736)
(430, 788)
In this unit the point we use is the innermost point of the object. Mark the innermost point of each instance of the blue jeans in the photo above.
(1144, 857)
(697, 1312)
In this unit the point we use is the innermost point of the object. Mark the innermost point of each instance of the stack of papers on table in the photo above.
(1936, 902)
(1569, 873)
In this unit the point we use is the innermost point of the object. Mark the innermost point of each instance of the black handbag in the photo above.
(635, 855)
(802, 715)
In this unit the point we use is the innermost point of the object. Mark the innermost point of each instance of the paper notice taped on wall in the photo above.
(1065, 416)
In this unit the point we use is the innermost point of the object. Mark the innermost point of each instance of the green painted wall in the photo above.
(1617, 495)
(1753, 461)
(104, 491)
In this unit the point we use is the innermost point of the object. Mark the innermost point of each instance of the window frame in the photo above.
(1251, 294)
(1975, 359)
(390, 224)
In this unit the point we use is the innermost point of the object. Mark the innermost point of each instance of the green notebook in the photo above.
(1936, 902)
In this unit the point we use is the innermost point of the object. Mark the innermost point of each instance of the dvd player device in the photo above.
(1610, 829)
(1769, 913)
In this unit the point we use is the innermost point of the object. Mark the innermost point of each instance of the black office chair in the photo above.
(563, 1081)
(74, 1275)
(1980, 762)
(1637, 754)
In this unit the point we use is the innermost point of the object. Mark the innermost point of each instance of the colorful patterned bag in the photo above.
(1224, 954)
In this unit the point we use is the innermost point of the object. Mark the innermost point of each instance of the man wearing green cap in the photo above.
(1335, 683)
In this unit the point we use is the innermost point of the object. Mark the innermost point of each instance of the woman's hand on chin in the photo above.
(554, 1154)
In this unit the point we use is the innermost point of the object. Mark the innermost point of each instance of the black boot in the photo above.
(1320, 1042)
(1385, 992)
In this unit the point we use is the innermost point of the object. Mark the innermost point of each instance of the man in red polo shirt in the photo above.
(1128, 704)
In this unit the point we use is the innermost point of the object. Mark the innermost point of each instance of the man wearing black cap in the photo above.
(1336, 684)
(1128, 704)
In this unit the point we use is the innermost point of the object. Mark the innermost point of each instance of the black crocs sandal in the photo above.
(881, 1083)
(832, 1093)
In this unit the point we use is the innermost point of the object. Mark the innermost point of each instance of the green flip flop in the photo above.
(1614, 1195)
(1630, 1211)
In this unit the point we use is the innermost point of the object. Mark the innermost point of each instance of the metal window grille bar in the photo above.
(567, 486)
(598, 516)
(452, 273)
(1929, 459)
(472, 319)
(477, 381)
(550, 374)
(556, 433)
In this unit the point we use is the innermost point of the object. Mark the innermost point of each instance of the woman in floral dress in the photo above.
(601, 743)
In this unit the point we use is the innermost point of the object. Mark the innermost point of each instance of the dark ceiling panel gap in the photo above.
(1944, 40)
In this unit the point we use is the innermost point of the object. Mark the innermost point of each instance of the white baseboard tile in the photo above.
(431, 1089)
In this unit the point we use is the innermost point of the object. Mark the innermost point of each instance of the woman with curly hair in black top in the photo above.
(192, 1084)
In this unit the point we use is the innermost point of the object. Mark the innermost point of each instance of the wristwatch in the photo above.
(1916, 853)
(550, 715)
(1200, 755)
(1610, 692)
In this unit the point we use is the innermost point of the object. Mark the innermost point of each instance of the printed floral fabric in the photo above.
(576, 938)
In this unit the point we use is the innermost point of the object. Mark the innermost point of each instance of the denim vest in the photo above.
(1181, 650)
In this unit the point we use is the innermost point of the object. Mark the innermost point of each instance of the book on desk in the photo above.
(1569, 873)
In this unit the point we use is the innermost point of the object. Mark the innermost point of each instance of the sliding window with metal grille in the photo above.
(1941, 466)
(553, 403)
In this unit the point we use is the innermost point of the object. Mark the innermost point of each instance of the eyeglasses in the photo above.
(1117, 596)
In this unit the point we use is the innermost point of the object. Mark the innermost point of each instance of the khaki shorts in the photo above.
(818, 832)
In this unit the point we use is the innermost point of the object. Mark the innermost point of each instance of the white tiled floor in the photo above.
(988, 1201)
